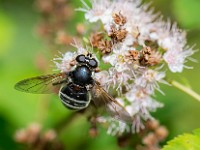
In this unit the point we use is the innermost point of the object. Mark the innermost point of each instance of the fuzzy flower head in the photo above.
(133, 46)
(67, 61)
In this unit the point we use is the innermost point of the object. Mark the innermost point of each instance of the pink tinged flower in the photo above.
(176, 59)
(115, 127)
(117, 60)
(119, 74)
(119, 79)
(141, 104)
(139, 98)
(149, 80)
(137, 124)
(170, 36)
(101, 10)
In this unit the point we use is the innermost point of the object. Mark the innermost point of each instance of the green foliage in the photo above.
(185, 142)
(6, 29)
(187, 12)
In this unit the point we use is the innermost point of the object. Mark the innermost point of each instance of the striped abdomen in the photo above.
(74, 97)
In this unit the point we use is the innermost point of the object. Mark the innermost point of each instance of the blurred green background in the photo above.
(20, 46)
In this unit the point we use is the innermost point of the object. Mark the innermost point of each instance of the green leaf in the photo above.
(185, 142)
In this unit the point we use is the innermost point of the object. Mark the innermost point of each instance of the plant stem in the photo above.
(65, 122)
(62, 124)
(185, 89)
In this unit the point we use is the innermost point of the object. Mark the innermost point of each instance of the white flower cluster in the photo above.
(140, 45)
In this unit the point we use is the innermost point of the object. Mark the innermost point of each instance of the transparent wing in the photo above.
(41, 84)
(114, 108)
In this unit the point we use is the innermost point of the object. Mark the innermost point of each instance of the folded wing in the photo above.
(102, 99)
(41, 84)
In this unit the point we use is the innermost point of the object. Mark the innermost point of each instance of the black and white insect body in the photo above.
(75, 95)
(77, 88)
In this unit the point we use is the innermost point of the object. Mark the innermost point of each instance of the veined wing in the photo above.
(44, 84)
(114, 108)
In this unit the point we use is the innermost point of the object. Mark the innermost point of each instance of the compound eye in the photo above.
(93, 63)
(80, 58)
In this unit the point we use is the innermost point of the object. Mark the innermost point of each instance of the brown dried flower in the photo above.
(55, 14)
(80, 28)
(105, 46)
(148, 57)
(95, 38)
(161, 133)
(63, 38)
(132, 56)
(117, 34)
(35, 139)
(119, 19)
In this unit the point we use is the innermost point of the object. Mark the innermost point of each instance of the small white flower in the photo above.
(141, 106)
(117, 60)
(139, 96)
(101, 10)
(149, 80)
(140, 110)
(170, 37)
(176, 59)
(136, 93)
(67, 61)
(116, 127)
(137, 124)
(119, 79)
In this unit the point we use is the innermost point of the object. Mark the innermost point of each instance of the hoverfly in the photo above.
(76, 88)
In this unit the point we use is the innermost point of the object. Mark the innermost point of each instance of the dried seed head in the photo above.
(44, 6)
(153, 124)
(33, 132)
(161, 133)
(21, 136)
(29, 135)
(150, 139)
(63, 38)
(146, 50)
(149, 57)
(119, 19)
(121, 34)
(95, 38)
(132, 56)
(50, 135)
(155, 58)
(117, 34)
(80, 28)
(33, 138)
(105, 46)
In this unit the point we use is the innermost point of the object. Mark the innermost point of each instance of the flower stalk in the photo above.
(186, 89)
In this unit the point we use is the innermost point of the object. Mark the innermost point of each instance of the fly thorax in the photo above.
(82, 75)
